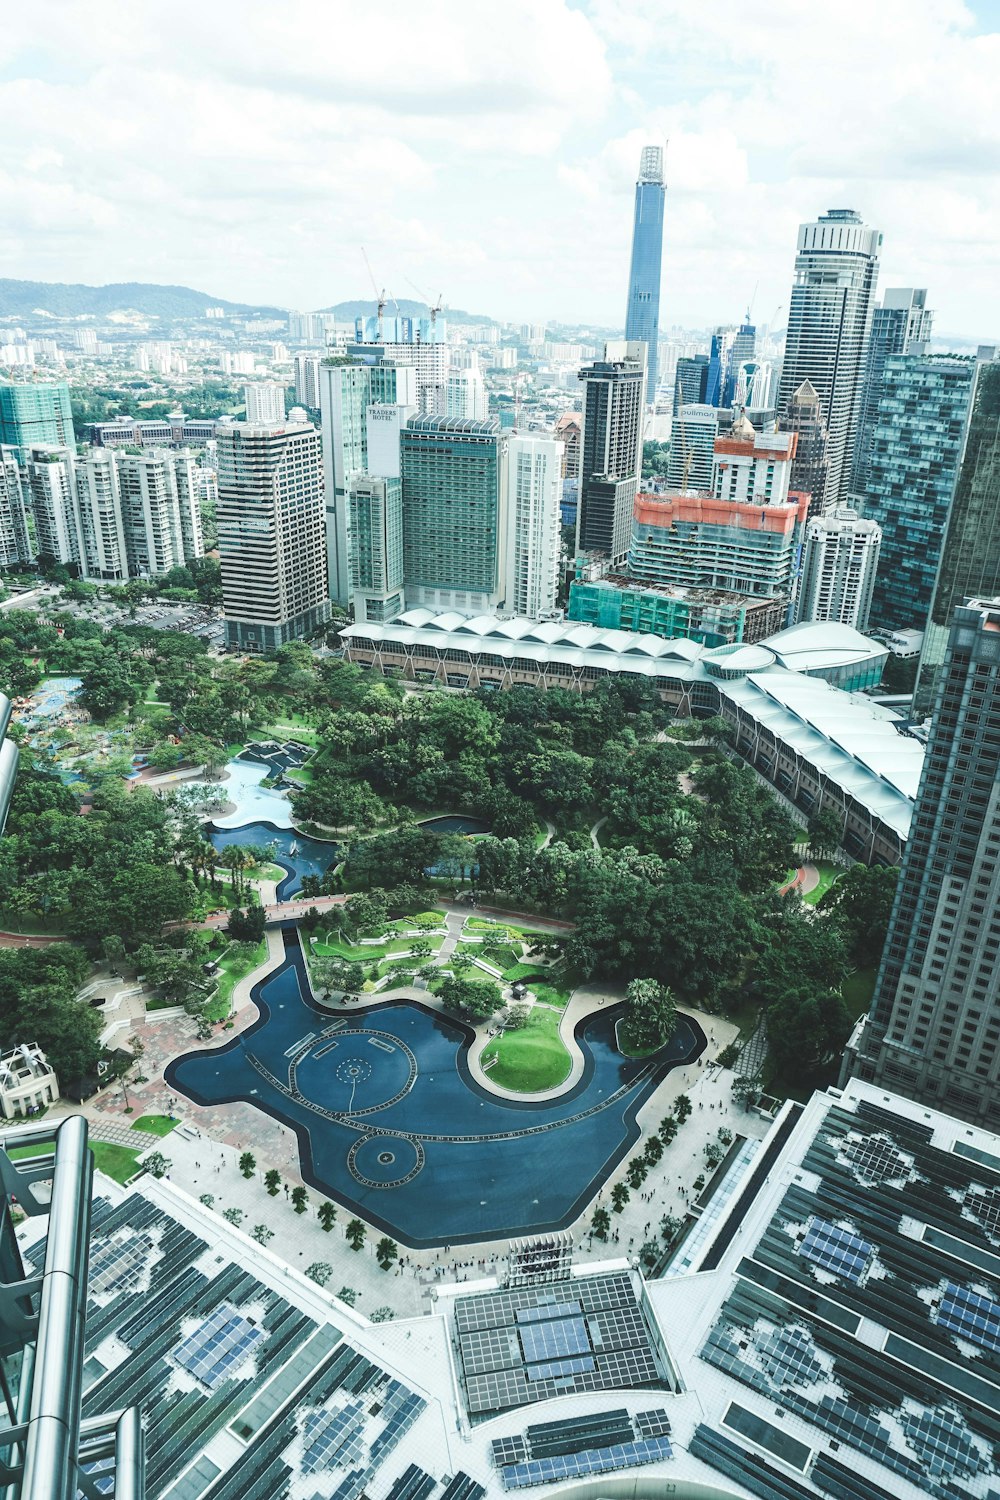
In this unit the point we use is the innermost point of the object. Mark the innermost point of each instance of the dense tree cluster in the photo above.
(37, 988)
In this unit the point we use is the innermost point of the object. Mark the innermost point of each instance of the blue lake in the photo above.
(311, 857)
(391, 1124)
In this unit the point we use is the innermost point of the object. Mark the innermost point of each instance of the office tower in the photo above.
(49, 477)
(271, 534)
(569, 432)
(103, 551)
(901, 324)
(377, 575)
(692, 448)
(720, 353)
(347, 390)
(836, 269)
(307, 379)
(917, 441)
(611, 453)
(15, 546)
(934, 1027)
(36, 415)
(159, 507)
(838, 568)
(803, 415)
(534, 490)
(642, 316)
(465, 395)
(742, 348)
(265, 402)
(454, 513)
(690, 381)
(970, 554)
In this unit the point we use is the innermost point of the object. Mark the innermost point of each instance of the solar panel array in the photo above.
(527, 1344)
(116, 1264)
(942, 1440)
(334, 1439)
(596, 1461)
(220, 1345)
(836, 1249)
(971, 1316)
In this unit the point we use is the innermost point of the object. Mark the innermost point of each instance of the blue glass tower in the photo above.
(642, 316)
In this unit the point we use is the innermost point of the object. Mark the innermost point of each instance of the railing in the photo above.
(48, 1453)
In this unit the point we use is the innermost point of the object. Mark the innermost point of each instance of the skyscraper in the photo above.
(742, 347)
(307, 379)
(690, 381)
(377, 547)
(265, 402)
(454, 513)
(642, 316)
(838, 568)
(50, 481)
(35, 415)
(159, 507)
(102, 545)
(970, 554)
(901, 324)
(465, 394)
(349, 388)
(836, 269)
(934, 1027)
(803, 415)
(611, 453)
(271, 535)
(534, 489)
(692, 447)
(918, 435)
(14, 544)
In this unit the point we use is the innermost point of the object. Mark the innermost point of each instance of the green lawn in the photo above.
(119, 1162)
(858, 988)
(233, 969)
(154, 1124)
(506, 959)
(829, 874)
(531, 1059)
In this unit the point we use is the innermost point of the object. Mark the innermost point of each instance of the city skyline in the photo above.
(519, 161)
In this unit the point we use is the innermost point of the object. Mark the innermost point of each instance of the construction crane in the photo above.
(379, 295)
(433, 308)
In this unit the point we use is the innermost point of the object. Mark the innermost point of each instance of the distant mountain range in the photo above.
(65, 299)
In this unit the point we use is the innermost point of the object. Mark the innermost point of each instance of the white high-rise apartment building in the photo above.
(49, 476)
(429, 360)
(265, 402)
(272, 541)
(160, 512)
(465, 395)
(829, 319)
(838, 568)
(102, 547)
(307, 379)
(534, 488)
(15, 546)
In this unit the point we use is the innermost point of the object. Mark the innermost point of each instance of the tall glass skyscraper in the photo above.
(836, 269)
(970, 555)
(917, 440)
(934, 1027)
(642, 316)
(901, 324)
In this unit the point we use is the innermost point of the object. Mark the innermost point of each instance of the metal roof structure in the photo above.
(847, 737)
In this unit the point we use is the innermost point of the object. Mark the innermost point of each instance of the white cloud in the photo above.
(250, 148)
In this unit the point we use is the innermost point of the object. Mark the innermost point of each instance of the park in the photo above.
(530, 906)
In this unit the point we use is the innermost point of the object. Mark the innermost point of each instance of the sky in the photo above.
(489, 151)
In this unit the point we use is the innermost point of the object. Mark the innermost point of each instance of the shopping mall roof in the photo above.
(818, 645)
(842, 1325)
(847, 737)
